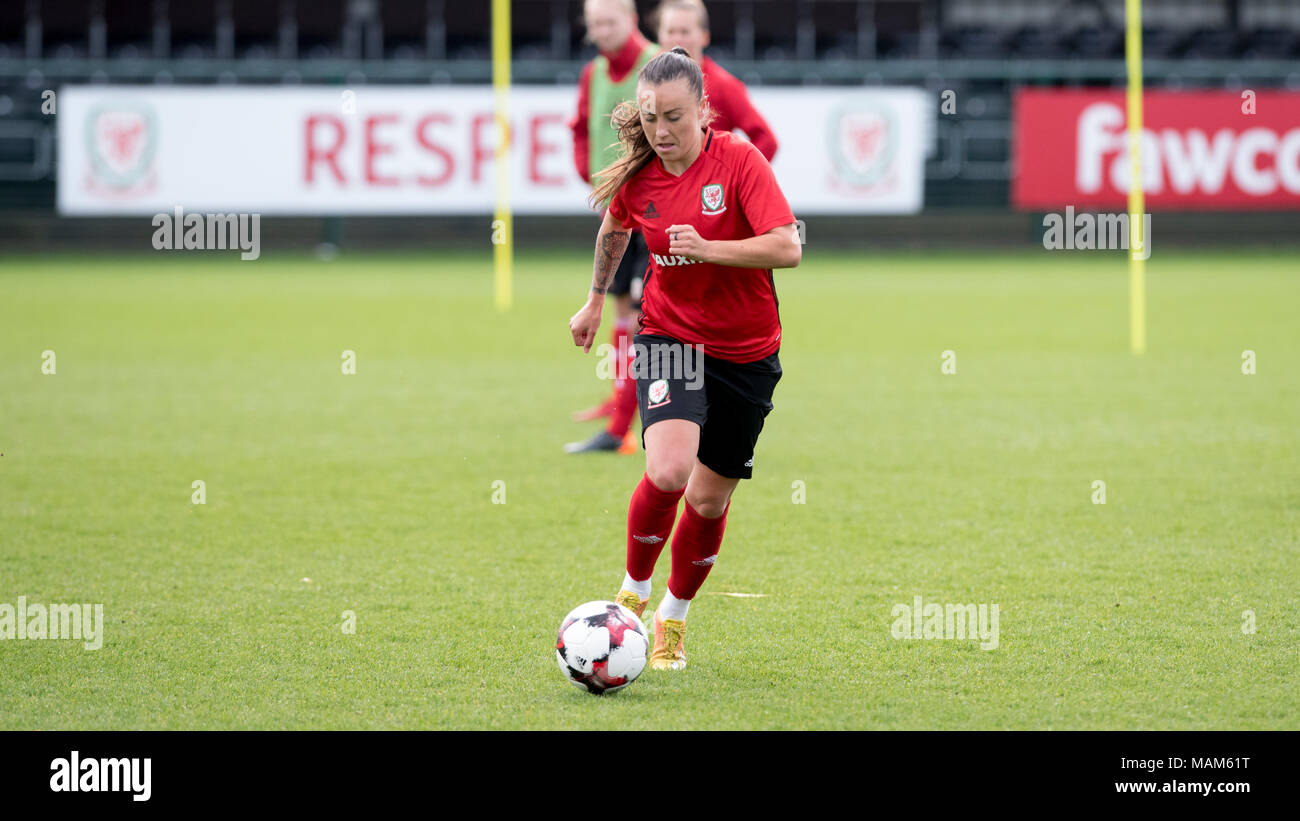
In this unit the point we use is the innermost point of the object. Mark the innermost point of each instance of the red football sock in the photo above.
(650, 518)
(619, 338)
(695, 549)
(624, 403)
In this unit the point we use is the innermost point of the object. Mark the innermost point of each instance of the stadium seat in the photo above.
(898, 45)
(12, 23)
(530, 51)
(974, 42)
(191, 26)
(1035, 42)
(1270, 44)
(1162, 43)
(721, 53)
(65, 27)
(320, 29)
(404, 27)
(257, 25)
(67, 51)
(1211, 44)
(1098, 43)
(129, 31)
(471, 51)
(841, 46)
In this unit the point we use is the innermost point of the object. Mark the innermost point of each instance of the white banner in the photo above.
(430, 150)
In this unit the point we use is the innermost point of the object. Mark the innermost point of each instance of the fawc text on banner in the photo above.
(1201, 150)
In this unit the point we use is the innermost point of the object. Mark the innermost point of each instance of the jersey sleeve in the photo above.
(748, 120)
(618, 209)
(579, 125)
(760, 196)
(740, 110)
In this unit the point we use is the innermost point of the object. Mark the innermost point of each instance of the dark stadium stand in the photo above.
(744, 30)
(763, 31)
(981, 49)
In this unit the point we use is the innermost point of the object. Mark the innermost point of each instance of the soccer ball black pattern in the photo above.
(601, 647)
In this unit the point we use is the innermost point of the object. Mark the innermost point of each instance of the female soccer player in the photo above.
(706, 359)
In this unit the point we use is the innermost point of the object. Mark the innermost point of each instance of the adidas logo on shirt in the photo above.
(650, 212)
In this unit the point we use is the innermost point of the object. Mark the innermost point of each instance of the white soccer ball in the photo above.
(601, 647)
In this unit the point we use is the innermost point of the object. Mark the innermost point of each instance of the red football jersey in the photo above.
(728, 193)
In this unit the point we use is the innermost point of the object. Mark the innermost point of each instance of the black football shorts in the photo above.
(728, 400)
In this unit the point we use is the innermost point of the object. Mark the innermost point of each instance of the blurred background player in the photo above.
(606, 81)
(685, 24)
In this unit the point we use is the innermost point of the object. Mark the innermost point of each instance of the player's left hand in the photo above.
(685, 241)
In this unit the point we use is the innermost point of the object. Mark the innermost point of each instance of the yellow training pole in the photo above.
(1136, 200)
(503, 229)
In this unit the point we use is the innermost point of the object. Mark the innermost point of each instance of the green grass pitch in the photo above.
(373, 493)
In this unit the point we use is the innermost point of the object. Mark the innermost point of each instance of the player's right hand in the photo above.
(584, 325)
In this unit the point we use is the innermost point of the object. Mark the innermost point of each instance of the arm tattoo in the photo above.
(609, 252)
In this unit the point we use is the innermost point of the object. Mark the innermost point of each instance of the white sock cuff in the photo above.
(673, 608)
(642, 589)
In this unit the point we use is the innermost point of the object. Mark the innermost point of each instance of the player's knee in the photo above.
(710, 506)
(669, 471)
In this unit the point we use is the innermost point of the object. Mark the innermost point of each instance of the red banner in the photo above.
(1202, 150)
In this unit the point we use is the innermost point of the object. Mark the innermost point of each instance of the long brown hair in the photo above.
(636, 150)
